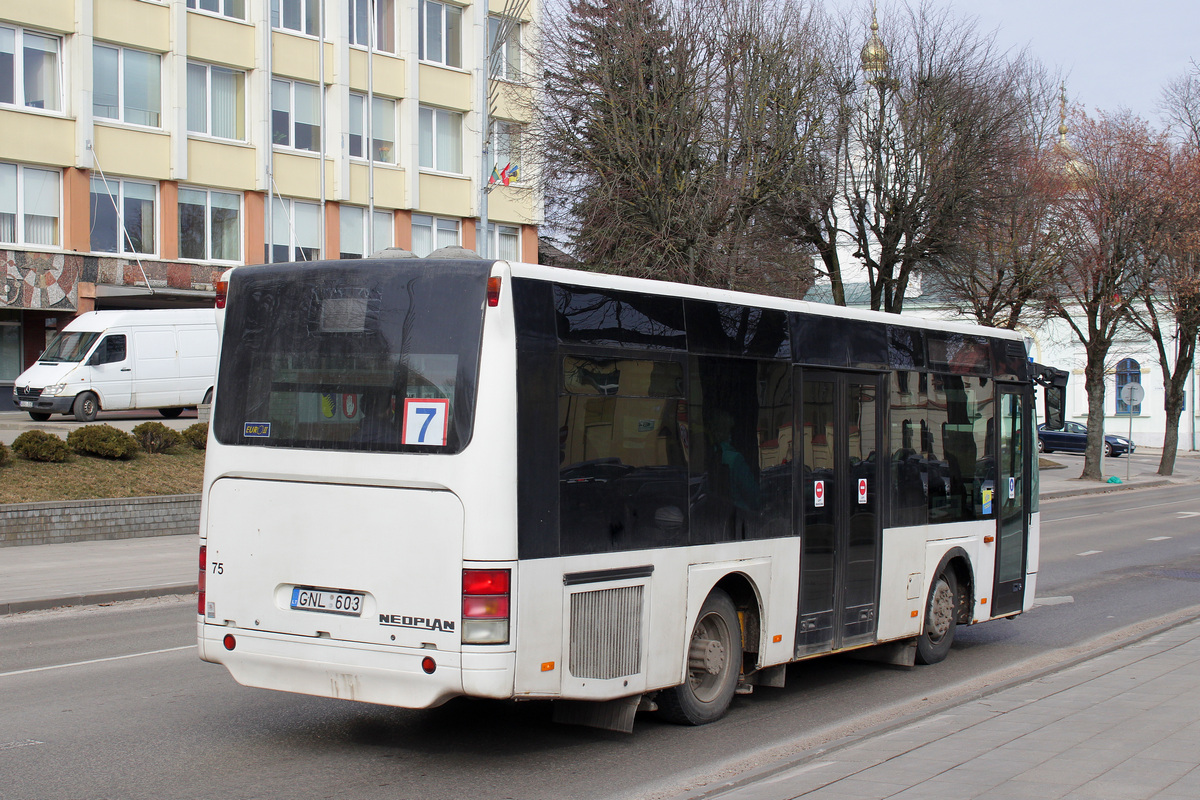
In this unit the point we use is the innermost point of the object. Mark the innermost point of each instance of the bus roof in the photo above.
(602, 280)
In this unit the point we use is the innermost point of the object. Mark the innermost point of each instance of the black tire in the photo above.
(1042, 446)
(941, 618)
(170, 413)
(207, 397)
(39, 416)
(85, 407)
(1108, 450)
(714, 666)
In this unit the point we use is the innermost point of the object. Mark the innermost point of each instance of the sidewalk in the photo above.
(1124, 725)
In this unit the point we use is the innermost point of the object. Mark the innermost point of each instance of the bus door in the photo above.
(1011, 493)
(843, 450)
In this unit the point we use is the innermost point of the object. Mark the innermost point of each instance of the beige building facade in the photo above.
(148, 145)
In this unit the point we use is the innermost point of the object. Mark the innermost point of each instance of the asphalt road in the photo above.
(112, 702)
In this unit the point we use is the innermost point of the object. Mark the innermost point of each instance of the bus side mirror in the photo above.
(1054, 396)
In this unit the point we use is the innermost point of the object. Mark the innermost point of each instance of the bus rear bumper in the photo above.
(393, 676)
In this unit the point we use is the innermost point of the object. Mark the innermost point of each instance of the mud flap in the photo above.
(609, 715)
(901, 654)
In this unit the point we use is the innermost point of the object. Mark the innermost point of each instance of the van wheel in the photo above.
(941, 612)
(86, 407)
(207, 397)
(714, 665)
(170, 413)
(39, 416)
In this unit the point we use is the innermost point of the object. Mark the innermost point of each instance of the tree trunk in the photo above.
(1093, 374)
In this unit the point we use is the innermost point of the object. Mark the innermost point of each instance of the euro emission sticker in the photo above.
(257, 429)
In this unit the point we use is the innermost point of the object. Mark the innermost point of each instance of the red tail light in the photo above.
(202, 580)
(221, 287)
(493, 291)
(486, 606)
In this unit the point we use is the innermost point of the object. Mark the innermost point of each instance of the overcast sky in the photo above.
(1112, 52)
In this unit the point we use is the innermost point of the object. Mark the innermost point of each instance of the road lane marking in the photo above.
(1186, 514)
(94, 661)
(1079, 516)
(15, 745)
(1053, 601)
(1158, 538)
(1089, 552)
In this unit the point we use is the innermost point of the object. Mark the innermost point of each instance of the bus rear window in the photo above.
(363, 355)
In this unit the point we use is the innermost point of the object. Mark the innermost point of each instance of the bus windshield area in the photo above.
(69, 347)
(373, 355)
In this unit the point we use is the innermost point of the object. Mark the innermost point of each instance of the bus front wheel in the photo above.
(941, 612)
(714, 666)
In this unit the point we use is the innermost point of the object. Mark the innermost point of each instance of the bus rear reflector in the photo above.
(201, 580)
(485, 606)
(493, 291)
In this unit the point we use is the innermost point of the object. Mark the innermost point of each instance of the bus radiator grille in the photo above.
(606, 629)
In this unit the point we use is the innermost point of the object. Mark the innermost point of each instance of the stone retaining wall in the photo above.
(87, 520)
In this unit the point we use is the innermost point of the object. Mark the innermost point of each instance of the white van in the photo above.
(119, 360)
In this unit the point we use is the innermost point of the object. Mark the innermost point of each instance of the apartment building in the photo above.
(147, 145)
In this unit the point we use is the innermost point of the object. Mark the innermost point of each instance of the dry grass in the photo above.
(84, 478)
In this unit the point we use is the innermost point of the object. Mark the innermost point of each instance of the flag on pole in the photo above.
(495, 177)
(504, 176)
(514, 172)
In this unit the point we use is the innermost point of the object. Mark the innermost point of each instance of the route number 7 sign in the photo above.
(426, 421)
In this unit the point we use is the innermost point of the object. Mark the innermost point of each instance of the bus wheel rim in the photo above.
(708, 657)
(941, 610)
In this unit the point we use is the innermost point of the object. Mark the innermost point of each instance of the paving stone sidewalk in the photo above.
(1124, 725)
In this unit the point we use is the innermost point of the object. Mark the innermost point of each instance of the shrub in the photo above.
(41, 446)
(4, 456)
(154, 437)
(104, 441)
(197, 435)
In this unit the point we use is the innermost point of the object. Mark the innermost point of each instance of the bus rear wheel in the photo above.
(941, 617)
(714, 666)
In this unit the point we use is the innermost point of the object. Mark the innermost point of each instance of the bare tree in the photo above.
(1007, 258)
(939, 123)
(1169, 308)
(1105, 221)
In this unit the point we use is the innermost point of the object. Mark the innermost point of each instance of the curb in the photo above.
(1107, 644)
(94, 598)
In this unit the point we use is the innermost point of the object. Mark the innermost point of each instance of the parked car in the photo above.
(1073, 439)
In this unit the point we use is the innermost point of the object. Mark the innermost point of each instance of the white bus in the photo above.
(437, 478)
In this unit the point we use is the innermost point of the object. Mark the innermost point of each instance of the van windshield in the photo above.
(69, 346)
(353, 355)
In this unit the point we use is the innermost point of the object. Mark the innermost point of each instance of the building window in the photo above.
(29, 67)
(510, 241)
(504, 44)
(295, 231)
(356, 241)
(1128, 371)
(235, 9)
(441, 139)
(301, 16)
(431, 233)
(216, 101)
(440, 37)
(295, 115)
(29, 204)
(384, 23)
(383, 124)
(123, 216)
(210, 226)
(506, 153)
(126, 85)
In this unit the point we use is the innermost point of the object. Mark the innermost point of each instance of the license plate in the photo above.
(326, 601)
(26, 403)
